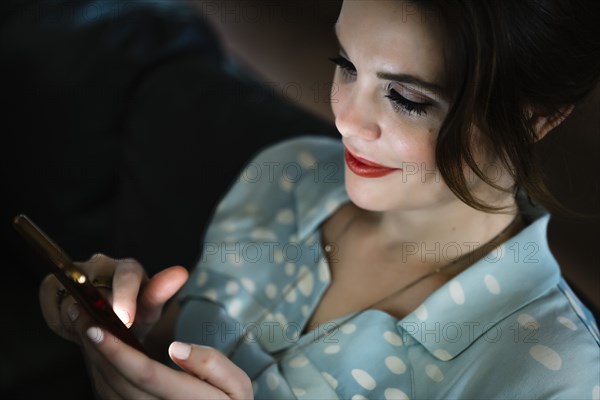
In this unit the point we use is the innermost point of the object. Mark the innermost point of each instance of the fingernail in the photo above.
(95, 334)
(123, 316)
(73, 312)
(180, 350)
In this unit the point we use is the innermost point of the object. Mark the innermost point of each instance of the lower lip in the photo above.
(364, 170)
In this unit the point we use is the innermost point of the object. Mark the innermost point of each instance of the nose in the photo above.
(355, 116)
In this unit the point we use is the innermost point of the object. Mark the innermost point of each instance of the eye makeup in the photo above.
(346, 66)
(400, 103)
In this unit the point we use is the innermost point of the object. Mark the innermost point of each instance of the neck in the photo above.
(437, 236)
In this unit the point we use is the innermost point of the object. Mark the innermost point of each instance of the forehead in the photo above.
(392, 34)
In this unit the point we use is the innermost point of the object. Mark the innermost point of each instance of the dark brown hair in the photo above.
(505, 58)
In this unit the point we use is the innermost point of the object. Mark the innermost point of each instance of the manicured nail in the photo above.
(180, 350)
(95, 334)
(123, 316)
(73, 312)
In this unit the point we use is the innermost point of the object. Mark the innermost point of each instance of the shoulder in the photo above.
(547, 349)
(541, 341)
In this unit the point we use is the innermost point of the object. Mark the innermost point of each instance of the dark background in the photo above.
(114, 112)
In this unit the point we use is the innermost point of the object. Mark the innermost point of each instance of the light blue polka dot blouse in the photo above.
(508, 327)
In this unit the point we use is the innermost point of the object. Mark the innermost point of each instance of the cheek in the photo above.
(416, 153)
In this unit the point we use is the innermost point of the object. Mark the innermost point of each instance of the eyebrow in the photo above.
(431, 87)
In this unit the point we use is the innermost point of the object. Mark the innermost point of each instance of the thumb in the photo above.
(212, 366)
(160, 288)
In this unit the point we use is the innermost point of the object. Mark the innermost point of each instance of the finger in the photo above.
(108, 383)
(150, 376)
(51, 309)
(157, 291)
(49, 303)
(107, 380)
(128, 277)
(98, 265)
(70, 312)
(212, 366)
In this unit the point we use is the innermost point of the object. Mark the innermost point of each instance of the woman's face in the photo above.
(389, 104)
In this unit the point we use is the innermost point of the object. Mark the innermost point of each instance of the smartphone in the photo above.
(75, 281)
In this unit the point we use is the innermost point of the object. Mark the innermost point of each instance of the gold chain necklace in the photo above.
(474, 255)
(502, 236)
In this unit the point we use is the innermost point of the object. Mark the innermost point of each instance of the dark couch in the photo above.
(124, 123)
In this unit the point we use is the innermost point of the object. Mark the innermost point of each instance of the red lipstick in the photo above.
(366, 168)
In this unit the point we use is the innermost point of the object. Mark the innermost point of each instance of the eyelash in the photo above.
(346, 66)
(399, 102)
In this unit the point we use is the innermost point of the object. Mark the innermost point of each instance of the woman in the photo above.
(400, 263)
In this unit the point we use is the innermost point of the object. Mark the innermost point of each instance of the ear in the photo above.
(544, 123)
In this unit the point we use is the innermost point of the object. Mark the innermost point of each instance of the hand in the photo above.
(137, 300)
(127, 373)
(118, 370)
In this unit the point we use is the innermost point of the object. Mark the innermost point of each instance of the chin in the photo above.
(380, 194)
(373, 196)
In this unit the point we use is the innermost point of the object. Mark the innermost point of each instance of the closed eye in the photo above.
(401, 103)
(348, 69)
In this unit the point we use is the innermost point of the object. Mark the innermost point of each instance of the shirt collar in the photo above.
(315, 200)
(507, 278)
(512, 275)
